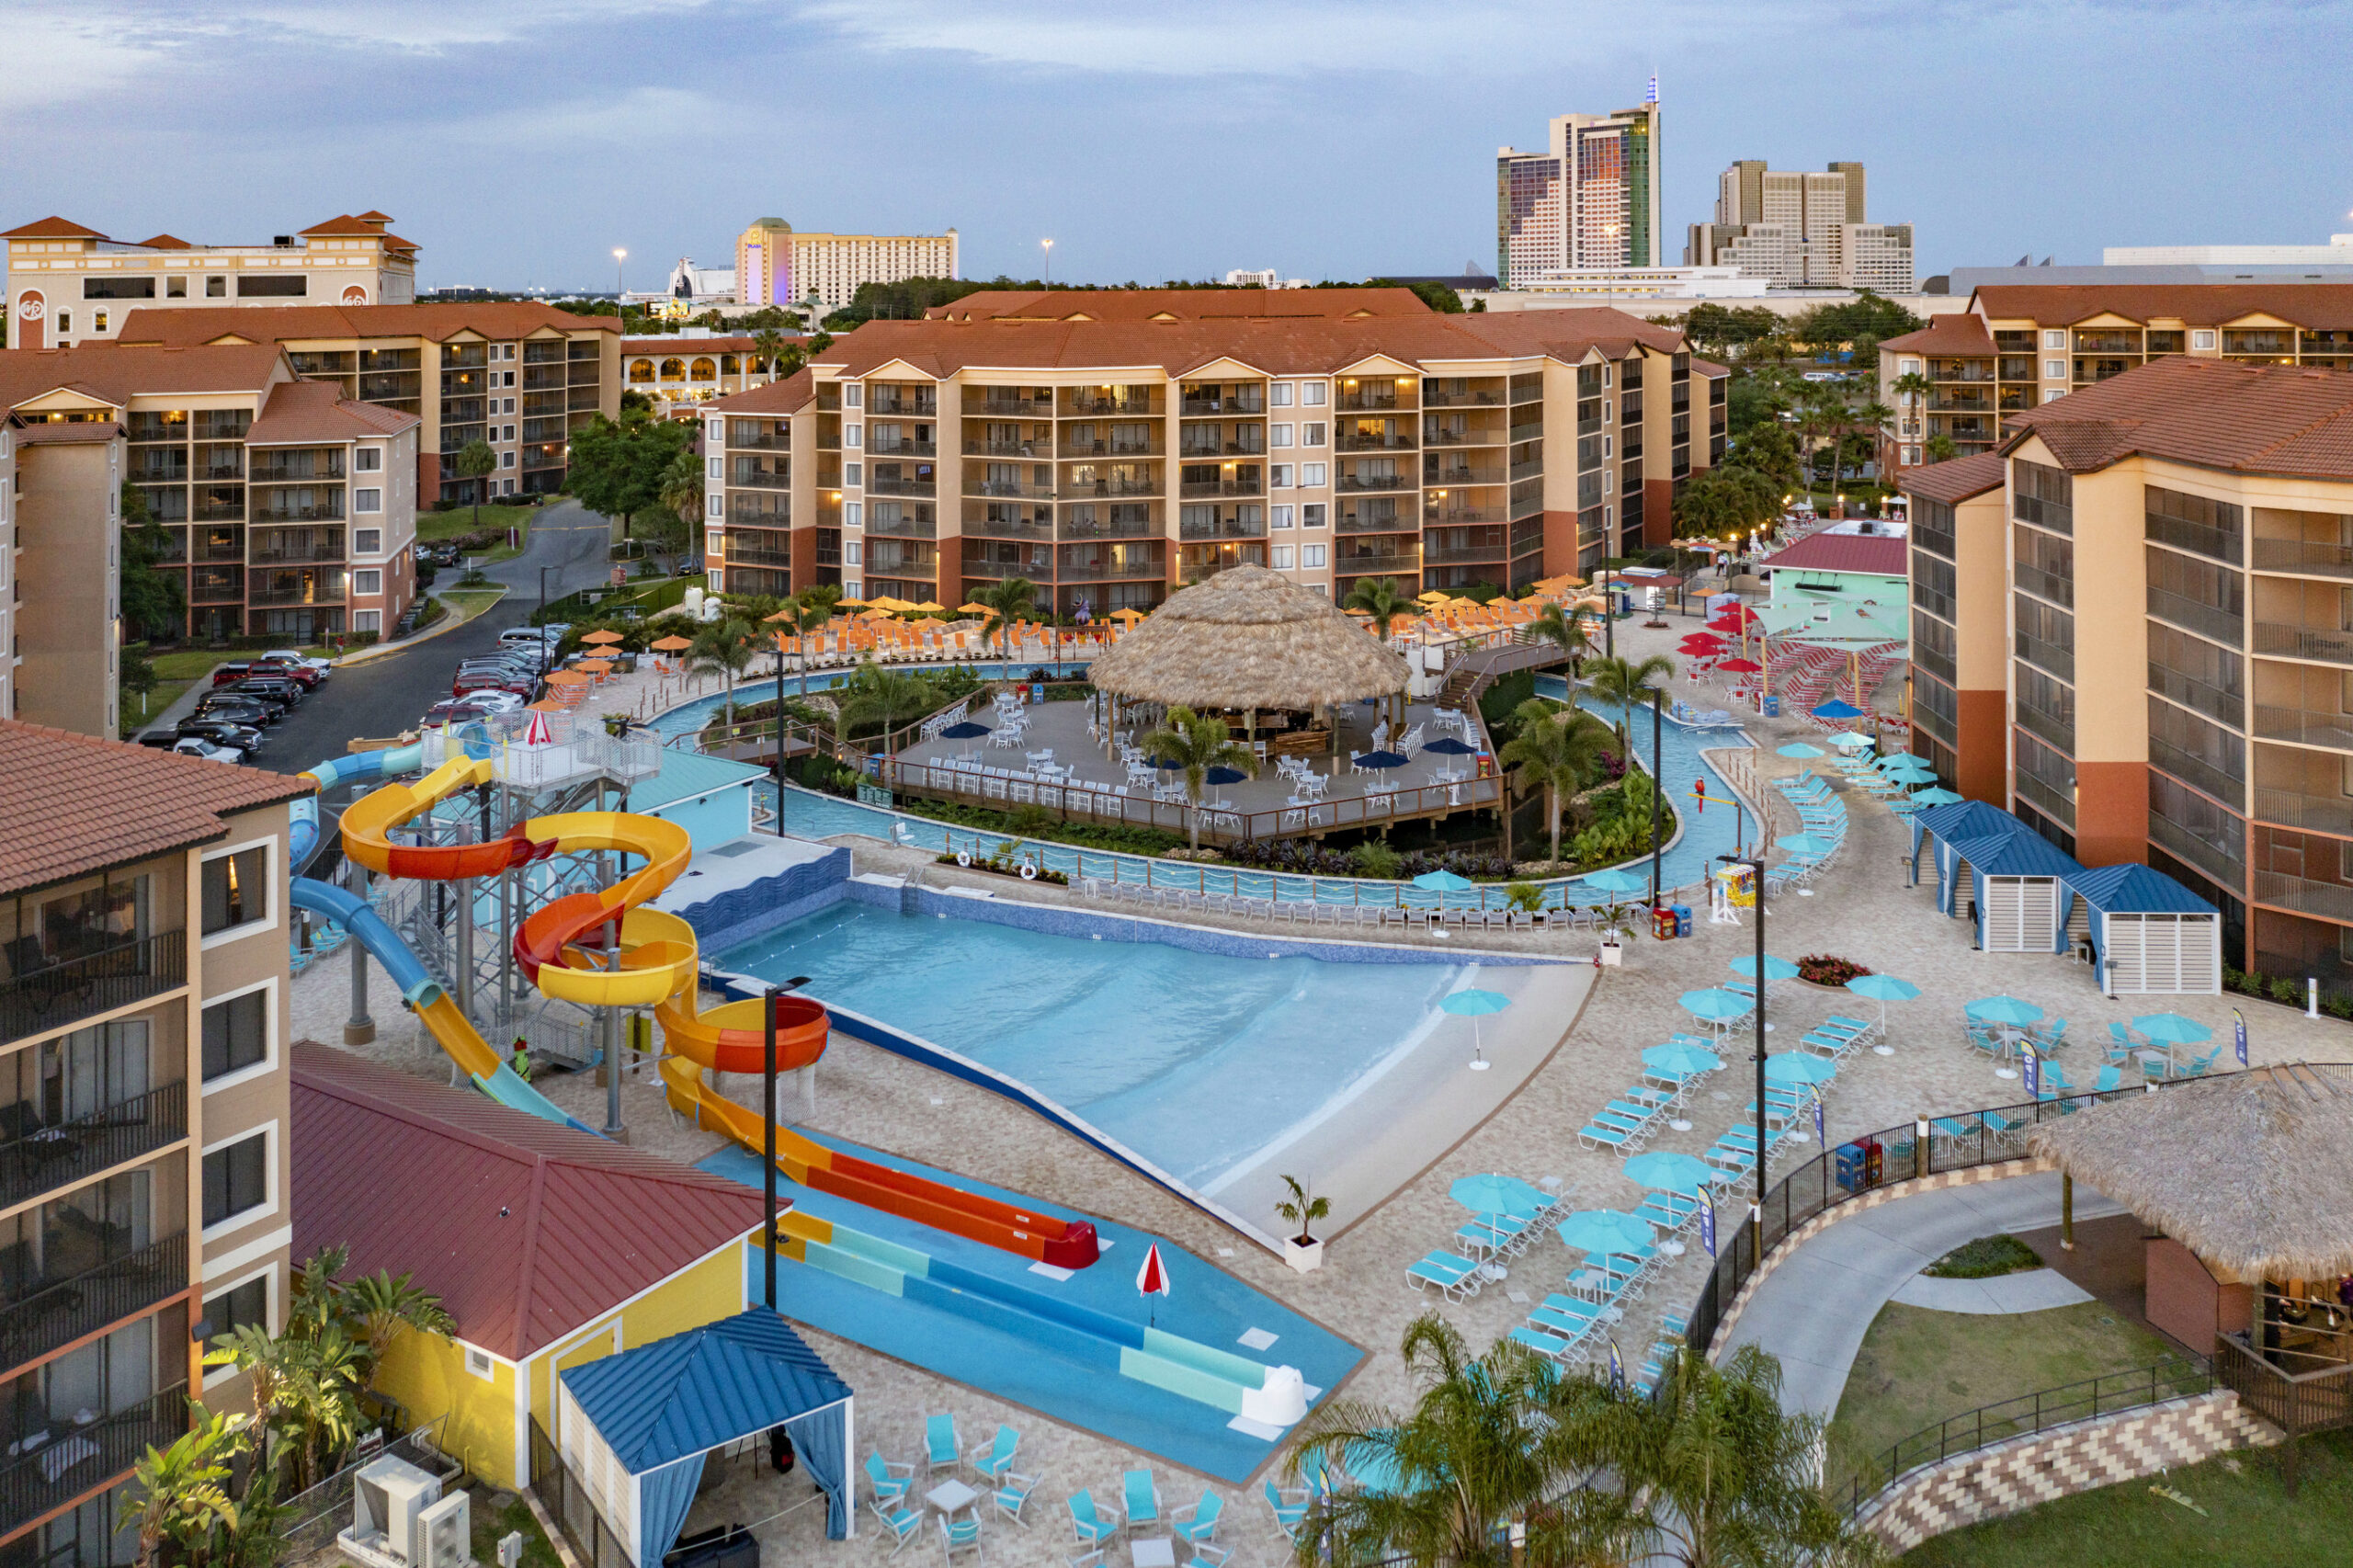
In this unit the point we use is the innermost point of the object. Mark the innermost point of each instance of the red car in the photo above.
(304, 675)
(491, 680)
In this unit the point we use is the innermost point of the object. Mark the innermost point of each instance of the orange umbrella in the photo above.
(571, 678)
(676, 644)
(547, 708)
(595, 667)
(1127, 614)
(602, 637)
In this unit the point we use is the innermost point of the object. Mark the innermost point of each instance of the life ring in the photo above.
(963, 857)
(1029, 873)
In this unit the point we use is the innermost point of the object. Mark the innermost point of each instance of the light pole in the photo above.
(543, 589)
(619, 255)
(1755, 865)
(1048, 246)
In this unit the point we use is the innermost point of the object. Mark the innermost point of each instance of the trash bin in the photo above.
(1663, 925)
(1861, 1164)
(1682, 918)
(1772, 705)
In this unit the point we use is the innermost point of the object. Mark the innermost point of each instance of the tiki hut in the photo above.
(1248, 640)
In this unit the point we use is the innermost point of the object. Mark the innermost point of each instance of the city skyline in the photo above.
(673, 123)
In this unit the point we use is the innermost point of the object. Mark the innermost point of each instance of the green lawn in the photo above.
(2250, 1521)
(490, 1525)
(1918, 1366)
(468, 603)
(432, 527)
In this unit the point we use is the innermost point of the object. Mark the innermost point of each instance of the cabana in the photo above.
(635, 1427)
(2148, 933)
(2014, 885)
(1961, 819)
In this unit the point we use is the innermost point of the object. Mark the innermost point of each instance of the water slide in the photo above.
(658, 966)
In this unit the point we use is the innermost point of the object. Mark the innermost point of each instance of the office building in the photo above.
(70, 284)
(517, 376)
(2018, 346)
(286, 509)
(2156, 565)
(1262, 278)
(142, 1054)
(1801, 229)
(1149, 438)
(1589, 199)
(693, 285)
(681, 371)
(2338, 254)
(775, 265)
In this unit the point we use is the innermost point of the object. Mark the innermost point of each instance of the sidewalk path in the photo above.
(1813, 1309)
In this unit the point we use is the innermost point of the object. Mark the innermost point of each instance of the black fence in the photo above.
(70, 1459)
(40, 1159)
(315, 1517)
(60, 1312)
(52, 995)
(565, 1496)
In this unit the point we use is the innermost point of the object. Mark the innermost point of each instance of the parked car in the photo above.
(246, 738)
(233, 670)
(517, 667)
(208, 751)
(527, 636)
(269, 689)
(302, 676)
(230, 709)
(470, 681)
(296, 657)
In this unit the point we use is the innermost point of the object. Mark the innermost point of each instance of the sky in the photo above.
(520, 142)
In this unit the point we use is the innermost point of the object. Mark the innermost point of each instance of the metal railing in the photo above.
(44, 1159)
(2296, 1402)
(79, 1459)
(2331, 901)
(594, 1543)
(1204, 489)
(1351, 483)
(2311, 556)
(315, 1517)
(2323, 643)
(65, 1310)
(889, 486)
(2176, 1378)
(57, 994)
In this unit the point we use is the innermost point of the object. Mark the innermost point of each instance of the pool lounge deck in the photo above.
(1261, 808)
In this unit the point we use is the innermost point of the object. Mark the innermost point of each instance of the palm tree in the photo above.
(180, 1493)
(767, 345)
(1187, 741)
(805, 613)
(1013, 599)
(725, 649)
(1706, 1472)
(477, 462)
(873, 692)
(1554, 751)
(1627, 685)
(383, 1306)
(1564, 629)
(682, 494)
(1467, 1455)
(1383, 601)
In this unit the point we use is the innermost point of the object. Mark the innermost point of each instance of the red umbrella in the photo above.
(1152, 1279)
(1703, 642)
(1741, 667)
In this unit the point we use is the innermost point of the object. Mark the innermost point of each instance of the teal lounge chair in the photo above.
(959, 1535)
(997, 1457)
(1013, 1490)
(1092, 1528)
(1198, 1524)
(889, 1481)
(1141, 1498)
(1289, 1508)
(903, 1524)
(1550, 1345)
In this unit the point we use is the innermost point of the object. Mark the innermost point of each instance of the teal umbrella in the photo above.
(2172, 1028)
(1444, 882)
(1849, 739)
(1798, 748)
(1662, 1171)
(1883, 989)
(2003, 1010)
(1678, 1060)
(1805, 844)
(1910, 770)
(1797, 1067)
(1935, 795)
(1494, 1194)
(1716, 1006)
(1902, 756)
(1775, 969)
(1474, 1006)
(1617, 881)
(1604, 1230)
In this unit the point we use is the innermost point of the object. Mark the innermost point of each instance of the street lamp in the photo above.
(1048, 246)
(619, 256)
(1756, 864)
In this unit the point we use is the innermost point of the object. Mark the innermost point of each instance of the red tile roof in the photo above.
(67, 433)
(2283, 420)
(75, 804)
(502, 319)
(317, 411)
(1179, 304)
(2320, 306)
(1957, 479)
(1885, 554)
(165, 242)
(525, 1229)
(52, 228)
(790, 395)
(115, 373)
(1958, 333)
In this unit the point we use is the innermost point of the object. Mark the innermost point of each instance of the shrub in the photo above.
(1825, 968)
(1526, 896)
(2286, 988)
(1376, 860)
(2337, 1006)
(1985, 1258)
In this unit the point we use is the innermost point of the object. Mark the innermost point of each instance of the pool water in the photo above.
(1196, 1062)
(689, 717)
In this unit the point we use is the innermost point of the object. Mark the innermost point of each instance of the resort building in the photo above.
(2018, 346)
(69, 284)
(681, 371)
(144, 1206)
(775, 265)
(2183, 530)
(1590, 199)
(549, 1247)
(1147, 439)
(1801, 229)
(287, 508)
(517, 376)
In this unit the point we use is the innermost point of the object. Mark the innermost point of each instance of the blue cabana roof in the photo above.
(2134, 889)
(1962, 819)
(687, 1395)
(2020, 854)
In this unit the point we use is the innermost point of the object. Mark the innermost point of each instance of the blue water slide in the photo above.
(359, 767)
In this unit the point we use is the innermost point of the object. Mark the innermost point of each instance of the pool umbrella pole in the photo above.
(1763, 1145)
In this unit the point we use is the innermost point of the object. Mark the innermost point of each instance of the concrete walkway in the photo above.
(2028, 1291)
(1815, 1309)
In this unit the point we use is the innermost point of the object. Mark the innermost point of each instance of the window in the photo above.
(1310, 435)
(236, 1033)
(366, 620)
(853, 515)
(101, 324)
(2201, 339)
(368, 500)
(853, 473)
(236, 1178)
(717, 505)
(1279, 435)
(2054, 338)
(367, 580)
(367, 541)
(1278, 395)
(65, 321)
(1311, 515)
(279, 286)
(478, 1363)
(507, 459)
(367, 459)
(1311, 393)
(216, 287)
(1907, 367)
(1279, 475)
(853, 437)
(1280, 517)
(2054, 369)
(716, 468)
(1311, 475)
(1282, 557)
(236, 889)
(235, 1308)
(851, 394)
(853, 554)
(719, 433)
(2052, 394)
(1311, 554)
(175, 287)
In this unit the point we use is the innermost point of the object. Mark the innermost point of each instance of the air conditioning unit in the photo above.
(399, 1519)
(444, 1535)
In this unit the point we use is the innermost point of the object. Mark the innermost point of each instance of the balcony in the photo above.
(1490, 399)
(743, 436)
(2330, 901)
(47, 1158)
(1459, 438)
(2052, 802)
(2215, 543)
(903, 448)
(1108, 571)
(325, 588)
(890, 402)
(981, 448)
(1376, 565)
(58, 1312)
(2323, 644)
(320, 552)
(999, 528)
(901, 527)
(49, 996)
(1087, 405)
(2198, 772)
(1373, 399)
(2207, 621)
(2220, 861)
(2042, 585)
(1345, 440)
(159, 465)
(2049, 658)
(1006, 570)
(901, 486)
(989, 403)
(1101, 489)
(1245, 403)
(1124, 448)
(1463, 474)
(1373, 483)
(36, 1483)
(2304, 726)
(316, 512)
(742, 555)
(1497, 551)
(1008, 489)
(1073, 529)
(296, 468)
(1224, 527)
(747, 477)
(2308, 558)
(2293, 808)
(766, 511)
(1193, 448)
(2058, 730)
(2225, 707)
(1436, 515)
(1202, 490)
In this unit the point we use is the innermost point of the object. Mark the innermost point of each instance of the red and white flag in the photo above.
(1152, 1279)
(538, 732)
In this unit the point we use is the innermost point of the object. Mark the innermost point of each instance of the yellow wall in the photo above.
(427, 1373)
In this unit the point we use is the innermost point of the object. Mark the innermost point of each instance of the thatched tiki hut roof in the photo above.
(1248, 638)
(2251, 1170)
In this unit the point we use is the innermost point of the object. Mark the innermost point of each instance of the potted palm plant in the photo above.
(1615, 924)
(1303, 1251)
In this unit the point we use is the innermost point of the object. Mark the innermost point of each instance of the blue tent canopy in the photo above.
(2020, 854)
(2135, 889)
(658, 1409)
(2129, 908)
(1962, 819)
